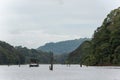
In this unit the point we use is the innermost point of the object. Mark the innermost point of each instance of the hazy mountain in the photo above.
(104, 48)
(63, 46)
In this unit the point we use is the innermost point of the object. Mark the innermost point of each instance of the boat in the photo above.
(34, 63)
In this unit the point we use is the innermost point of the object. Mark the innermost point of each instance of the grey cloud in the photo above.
(32, 22)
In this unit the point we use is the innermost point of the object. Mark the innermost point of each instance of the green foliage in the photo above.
(83, 50)
(105, 45)
(9, 55)
(43, 57)
(19, 55)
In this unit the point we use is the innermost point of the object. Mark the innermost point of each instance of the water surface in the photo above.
(60, 72)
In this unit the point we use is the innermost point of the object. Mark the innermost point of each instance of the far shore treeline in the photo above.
(20, 55)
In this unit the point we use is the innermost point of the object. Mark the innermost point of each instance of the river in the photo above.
(60, 72)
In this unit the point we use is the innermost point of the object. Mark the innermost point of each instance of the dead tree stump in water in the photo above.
(51, 62)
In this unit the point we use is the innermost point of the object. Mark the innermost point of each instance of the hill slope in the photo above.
(16, 55)
(104, 48)
(43, 57)
(63, 46)
(9, 55)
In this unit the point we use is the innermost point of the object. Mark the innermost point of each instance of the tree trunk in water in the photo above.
(51, 62)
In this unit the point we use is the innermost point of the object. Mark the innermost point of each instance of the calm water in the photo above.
(60, 72)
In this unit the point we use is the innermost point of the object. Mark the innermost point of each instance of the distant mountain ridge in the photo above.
(62, 46)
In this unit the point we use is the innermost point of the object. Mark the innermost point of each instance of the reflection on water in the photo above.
(60, 72)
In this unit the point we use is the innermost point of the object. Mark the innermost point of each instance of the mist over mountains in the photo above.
(62, 46)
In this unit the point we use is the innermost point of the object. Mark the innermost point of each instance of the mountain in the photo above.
(63, 46)
(104, 48)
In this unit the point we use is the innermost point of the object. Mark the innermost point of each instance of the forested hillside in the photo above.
(20, 55)
(104, 48)
(9, 55)
(43, 57)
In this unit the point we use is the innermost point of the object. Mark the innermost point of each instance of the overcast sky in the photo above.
(32, 23)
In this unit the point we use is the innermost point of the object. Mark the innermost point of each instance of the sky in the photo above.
(32, 23)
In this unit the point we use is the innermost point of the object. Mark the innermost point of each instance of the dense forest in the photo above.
(9, 55)
(20, 55)
(43, 57)
(104, 48)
